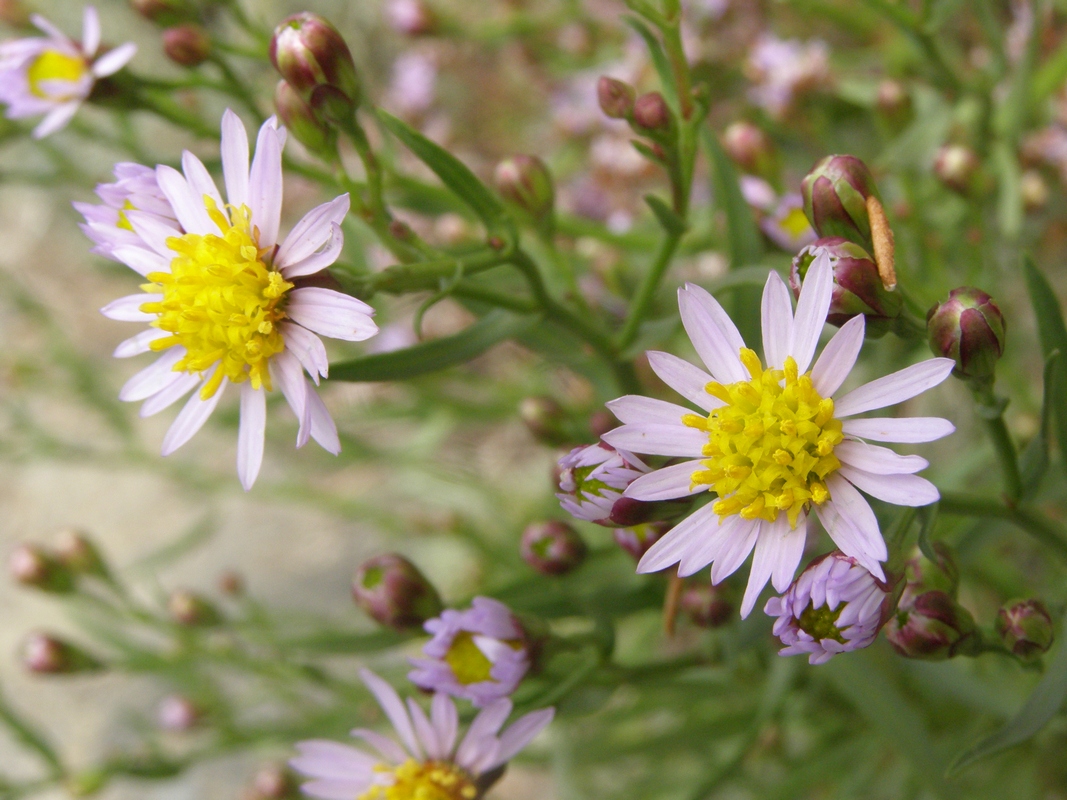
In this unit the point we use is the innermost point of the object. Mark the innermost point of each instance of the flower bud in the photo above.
(191, 610)
(552, 548)
(392, 591)
(1025, 627)
(231, 583)
(932, 628)
(591, 481)
(526, 182)
(922, 575)
(893, 102)
(544, 418)
(835, 199)
(178, 714)
(858, 288)
(187, 45)
(969, 329)
(615, 97)
(957, 167)
(600, 422)
(1034, 190)
(312, 56)
(637, 540)
(78, 554)
(156, 10)
(14, 13)
(749, 147)
(305, 124)
(32, 566)
(707, 606)
(271, 782)
(651, 113)
(47, 655)
(410, 17)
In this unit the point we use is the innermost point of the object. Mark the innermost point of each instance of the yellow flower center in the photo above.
(124, 221)
(221, 302)
(468, 663)
(795, 222)
(423, 780)
(53, 66)
(771, 446)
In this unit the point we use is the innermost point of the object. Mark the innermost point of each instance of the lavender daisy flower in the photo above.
(787, 226)
(223, 297)
(135, 189)
(426, 763)
(592, 480)
(55, 74)
(479, 654)
(772, 441)
(835, 606)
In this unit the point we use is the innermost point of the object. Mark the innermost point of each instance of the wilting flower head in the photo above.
(426, 763)
(223, 296)
(782, 69)
(787, 226)
(836, 605)
(772, 441)
(480, 654)
(55, 74)
(592, 479)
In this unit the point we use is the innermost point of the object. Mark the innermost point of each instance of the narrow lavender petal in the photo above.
(877, 460)
(717, 353)
(658, 440)
(901, 490)
(394, 709)
(666, 483)
(114, 60)
(234, 150)
(906, 430)
(191, 418)
(200, 180)
(312, 231)
(634, 408)
(776, 314)
(812, 308)
(685, 378)
(188, 207)
(895, 388)
(679, 540)
(265, 185)
(520, 733)
(838, 357)
(250, 433)
(736, 550)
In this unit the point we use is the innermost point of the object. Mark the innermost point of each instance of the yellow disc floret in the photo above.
(54, 66)
(771, 446)
(423, 780)
(221, 302)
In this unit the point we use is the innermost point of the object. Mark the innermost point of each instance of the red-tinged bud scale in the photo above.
(933, 627)
(526, 182)
(187, 45)
(314, 59)
(835, 199)
(969, 329)
(1025, 627)
(651, 113)
(616, 98)
(393, 592)
(552, 548)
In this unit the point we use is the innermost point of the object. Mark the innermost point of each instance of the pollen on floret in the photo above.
(221, 301)
(423, 780)
(771, 446)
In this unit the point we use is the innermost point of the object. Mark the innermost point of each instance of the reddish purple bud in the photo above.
(312, 56)
(187, 45)
(305, 124)
(552, 548)
(835, 199)
(526, 182)
(77, 553)
(1025, 627)
(957, 166)
(31, 565)
(707, 606)
(638, 539)
(933, 627)
(616, 98)
(48, 655)
(231, 584)
(178, 714)
(750, 148)
(392, 591)
(600, 422)
(410, 17)
(191, 610)
(969, 329)
(858, 288)
(651, 113)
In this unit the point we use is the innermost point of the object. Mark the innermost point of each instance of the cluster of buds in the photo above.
(648, 114)
(968, 328)
(392, 591)
(552, 548)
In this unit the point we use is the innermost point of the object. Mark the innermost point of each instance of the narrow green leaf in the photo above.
(452, 172)
(1033, 462)
(1010, 198)
(1053, 335)
(1050, 77)
(659, 61)
(743, 236)
(493, 328)
(1040, 707)
(668, 220)
(29, 736)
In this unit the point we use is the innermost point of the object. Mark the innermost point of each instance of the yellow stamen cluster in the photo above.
(221, 302)
(423, 780)
(771, 446)
(54, 66)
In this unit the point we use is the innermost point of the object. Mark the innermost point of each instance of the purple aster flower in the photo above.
(427, 761)
(592, 479)
(135, 189)
(479, 654)
(835, 606)
(787, 226)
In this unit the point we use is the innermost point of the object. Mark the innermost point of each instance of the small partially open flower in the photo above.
(836, 605)
(33, 566)
(480, 654)
(525, 181)
(49, 655)
(786, 225)
(835, 199)
(1025, 627)
(592, 480)
(969, 329)
(932, 627)
(394, 592)
(552, 548)
(858, 288)
(615, 97)
(187, 45)
(313, 57)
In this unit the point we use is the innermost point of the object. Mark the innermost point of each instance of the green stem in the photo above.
(642, 301)
(992, 413)
(1034, 523)
(236, 88)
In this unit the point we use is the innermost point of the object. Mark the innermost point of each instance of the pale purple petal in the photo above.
(521, 733)
(90, 31)
(735, 550)
(331, 313)
(901, 490)
(234, 150)
(484, 726)
(287, 374)
(445, 721)
(308, 349)
(47, 27)
(56, 118)
(879, 460)
(680, 540)
(633, 408)
(320, 260)
(192, 417)
(141, 260)
(715, 541)
(838, 357)
(320, 758)
(167, 397)
(114, 60)
(154, 378)
(141, 343)
(312, 232)
(717, 353)
(200, 179)
(425, 731)
(851, 505)
(250, 433)
(265, 185)
(388, 749)
(128, 308)
(666, 483)
(791, 550)
(812, 308)
(847, 537)
(658, 440)
(188, 206)
(906, 430)
(323, 429)
(393, 707)
(153, 232)
(777, 316)
(688, 380)
(895, 388)
(718, 315)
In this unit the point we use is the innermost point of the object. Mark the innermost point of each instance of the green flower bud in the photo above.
(616, 98)
(858, 288)
(835, 199)
(79, 555)
(526, 182)
(191, 610)
(750, 148)
(312, 56)
(651, 113)
(305, 124)
(187, 45)
(957, 167)
(707, 606)
(48, 655)
(969, 329)
(552, 548)
(1025, 627)
(31, 565)
(933, 627)
(392, 591)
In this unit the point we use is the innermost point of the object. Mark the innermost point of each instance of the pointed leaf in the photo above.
(668, 220)
(1033, 461)
(744, 241)
(1053, 335)
(659, 60)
